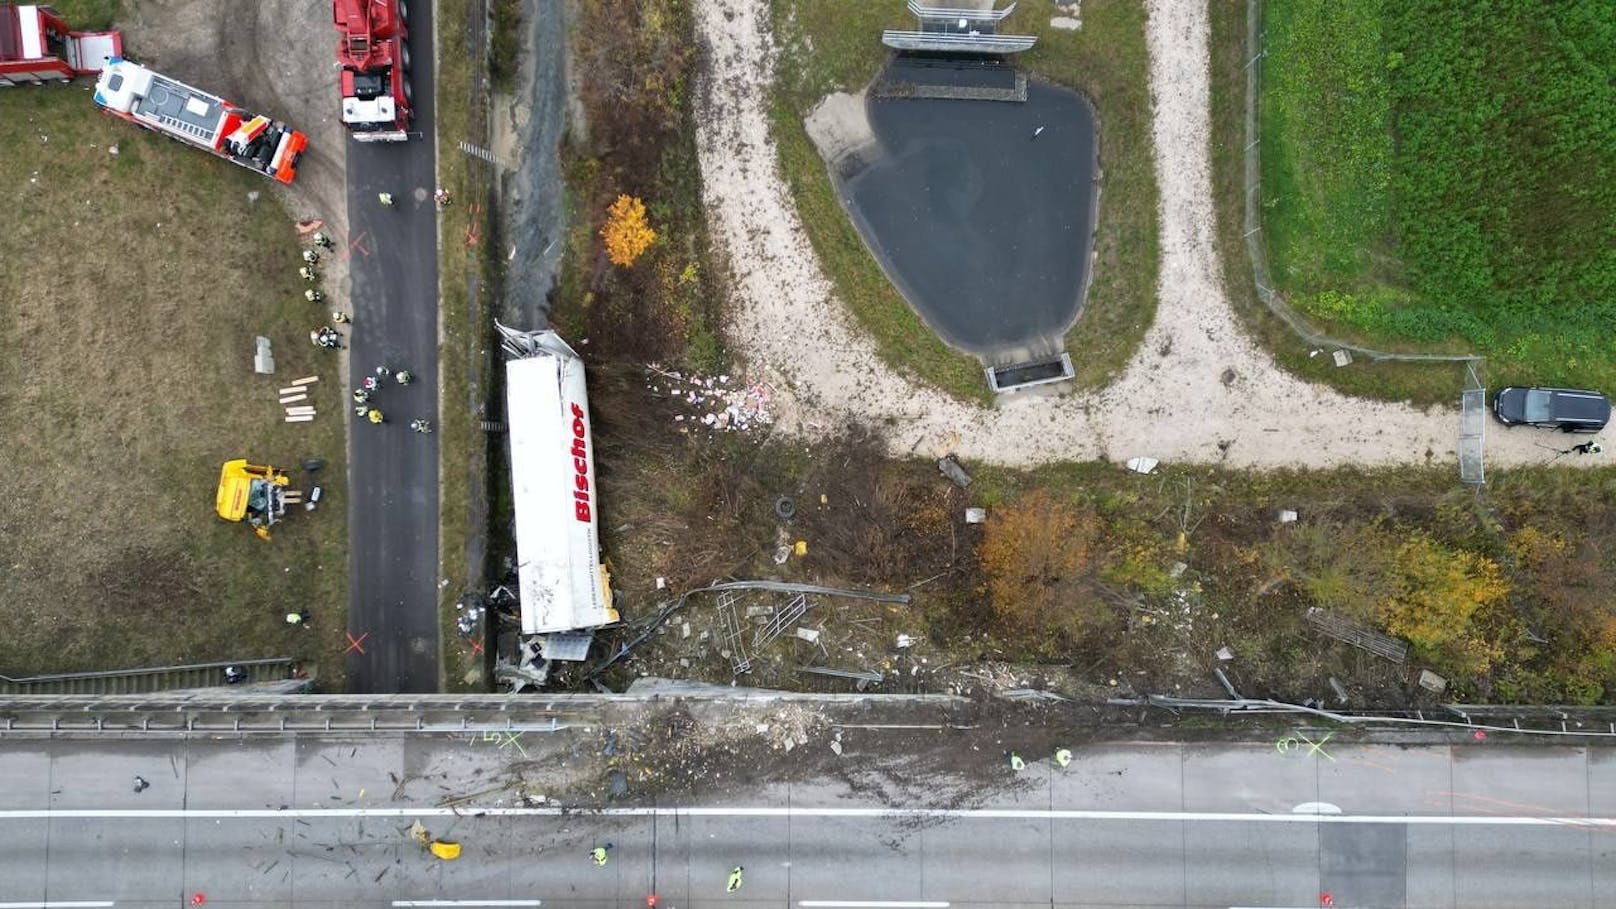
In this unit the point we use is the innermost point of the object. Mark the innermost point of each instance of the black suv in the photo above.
(1565, 409)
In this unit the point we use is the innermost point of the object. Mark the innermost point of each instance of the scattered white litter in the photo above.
(1142, 465)
(721, 402)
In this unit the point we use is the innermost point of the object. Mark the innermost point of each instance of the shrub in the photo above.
(1038, 555)
(627, 234)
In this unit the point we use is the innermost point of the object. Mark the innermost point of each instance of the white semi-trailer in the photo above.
(564, 586)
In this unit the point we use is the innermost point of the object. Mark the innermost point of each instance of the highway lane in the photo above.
(1141, 825)
(393, 472)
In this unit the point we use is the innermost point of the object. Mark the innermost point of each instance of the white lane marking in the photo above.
(60, 904)
(1313, 808)
(871, 904)
(893, 814)
(468, 903)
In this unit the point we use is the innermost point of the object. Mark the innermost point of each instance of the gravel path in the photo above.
(1197, 390)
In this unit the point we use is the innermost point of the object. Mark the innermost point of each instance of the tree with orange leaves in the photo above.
(627, 234)
(1038, 555)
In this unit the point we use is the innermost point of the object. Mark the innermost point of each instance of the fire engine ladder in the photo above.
(730, 629)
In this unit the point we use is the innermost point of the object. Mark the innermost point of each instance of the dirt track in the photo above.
(1198, 389)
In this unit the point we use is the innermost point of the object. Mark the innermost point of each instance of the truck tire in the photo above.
(404, 57)
(403, 12)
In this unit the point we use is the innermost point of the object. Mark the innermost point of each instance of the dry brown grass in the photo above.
(134, 287)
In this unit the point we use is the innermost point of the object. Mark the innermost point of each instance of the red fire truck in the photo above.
(36, 44)
(254, 141)
(375, 58)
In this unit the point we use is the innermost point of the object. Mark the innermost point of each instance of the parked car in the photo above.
(1565, 409)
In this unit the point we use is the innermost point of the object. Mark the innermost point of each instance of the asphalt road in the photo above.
(1138, 825)
(986, 230)
(393, 472)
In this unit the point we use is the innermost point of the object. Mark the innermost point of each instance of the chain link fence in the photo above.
(1251, 227)
(1473, 398)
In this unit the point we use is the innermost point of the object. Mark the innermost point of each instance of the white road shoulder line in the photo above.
(468, 902)
(887, 814)
(61, 904)
(869, 904)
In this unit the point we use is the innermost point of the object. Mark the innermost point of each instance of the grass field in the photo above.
(463, 357)
(828, 46)
(83, 15)
(134, 286)
(1442, 178)
(1422, 383)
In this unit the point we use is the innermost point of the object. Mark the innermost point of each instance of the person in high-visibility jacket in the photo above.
(600, 854)
(374, 416)
(307, 274)
(313, 296)
(1016, 763)
(1063, 757)
(311, 257)
(322, 241)
(734, 883)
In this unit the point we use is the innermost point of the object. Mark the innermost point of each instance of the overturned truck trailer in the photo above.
(563, 585)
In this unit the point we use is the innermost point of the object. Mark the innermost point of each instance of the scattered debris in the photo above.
(861, 678)
(1344, 630)
(717, 403)
(1340, 691)
(1287, 516)
(263, 357)
(1342, 357)
(976, 515)
(1225, 654)
(1142, 465)
(1432, 682)
(950, 467)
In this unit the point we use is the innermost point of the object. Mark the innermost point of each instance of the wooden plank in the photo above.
(306, 380)
(292, 390)
(293, 399)
(300, 418)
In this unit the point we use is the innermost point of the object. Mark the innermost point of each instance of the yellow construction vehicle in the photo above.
(251, 493)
